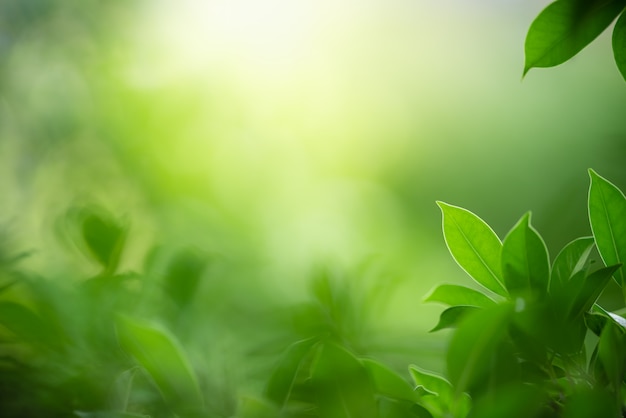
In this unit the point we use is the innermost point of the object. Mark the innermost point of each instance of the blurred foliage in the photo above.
(226, 208)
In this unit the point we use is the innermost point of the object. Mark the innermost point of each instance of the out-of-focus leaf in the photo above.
(284, 377)
(619, 320)
(452, 316)
(474, 246)
(25, 323)
(564, 28)
(104, 237)
(474, 345)
(183, 275)
(515, 401)
(256, 408)
(387, 382)
(161, 356)
(451, 294)
(591, 403)
(525, 262)
(590, 290)
(342, 386)
(607, 215)
(611, 349)
(432, 382)
(619, 44)
(389, 408)
(572, 259)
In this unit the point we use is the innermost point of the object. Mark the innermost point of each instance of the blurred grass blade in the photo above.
(452, 294)
(452, 316)
(619, 44)
(158, 352)
(525, 261)
(607, 215)
(387, 382)
(342, 385)
(474, 246)
(564, 28)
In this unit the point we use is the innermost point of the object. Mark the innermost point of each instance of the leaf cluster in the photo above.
(535, 339)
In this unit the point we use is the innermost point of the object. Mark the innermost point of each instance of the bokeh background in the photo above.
(282, 137)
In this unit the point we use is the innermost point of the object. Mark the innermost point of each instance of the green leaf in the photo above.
(25, 323)
(475, 344)
(564, 28)
(401, 409)
(611, 349)
(619, 44)
(474, 246)
(183, 276)
(591, 403)
(284, 377)
(452, 316)
(590, 290)
(104, 237)
(607, 215)
(387, 382)
(342, 386)
(452, 294)
(159, 353)
(525, 262)
(432, 383)
(572, 259)
(256, 408)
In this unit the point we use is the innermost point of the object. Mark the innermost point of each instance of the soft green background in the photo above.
(282, 135)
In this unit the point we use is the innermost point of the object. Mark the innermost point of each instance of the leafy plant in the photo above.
(535, 342)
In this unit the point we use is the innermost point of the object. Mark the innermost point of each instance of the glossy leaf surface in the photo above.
(452, 316)
(564, 28)
(619, 44)
(607, 215)
(474, 246)
(452, 294)
(525, 263)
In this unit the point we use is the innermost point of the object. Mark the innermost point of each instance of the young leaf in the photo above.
(158, 352)
(591, 289)
(572, 259)
(525, 262)
(104, 237)
(284, 377)
(452, 294)
(474, 246)
(342, 386)
(432, 383)
(607, 215)
(387, 382)
(452, 316)
(619, 44)
(564, 28)
(442, 402)
(475, 344)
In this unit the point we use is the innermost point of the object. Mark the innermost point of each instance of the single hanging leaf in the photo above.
(525, 261)
(564, 28)
(160, 355)
(474, 246)
(474, 345)
(619, 44)
(607, 215)
(452, 316)
(452, 294)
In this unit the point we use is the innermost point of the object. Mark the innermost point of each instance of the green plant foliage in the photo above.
(474, 246)
(619, 44)
(159, 354)
(525, 262)
(526, 356)
(607, 206)
(565, 27)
